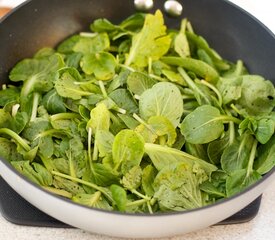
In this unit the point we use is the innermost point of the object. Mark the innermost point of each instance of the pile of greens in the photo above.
(136, 117)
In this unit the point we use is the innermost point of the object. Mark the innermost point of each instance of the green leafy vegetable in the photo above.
(139, 118)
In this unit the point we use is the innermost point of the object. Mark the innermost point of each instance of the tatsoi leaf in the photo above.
(120, 197)
(100, 118)
(8, 150)
(132, 179)
(9, 95)
(92, 200)
(53, 102)
(101, 175)
(163, 99)
(35, 172)
(162, 126)
(151, 42)
(128, 150)
(5, 118)
(37, 74)
(96, 44)
(216, 148)
(162, 156)
(258, 95)
(181, 42)
(102, 65)
(266, 157)
(139, 82)
(105, 141)
(174, 77)
(129, 121)
(69, 186)
(66, 87)
(67, 45)
(230, 88)
(103, 25)
(236, 155)
(148, 176)
(19, 122)
(134, 22)
(203, 125)
(177, 188)
(199, 67)
(124, 100)
(239, 180)
(265, 130)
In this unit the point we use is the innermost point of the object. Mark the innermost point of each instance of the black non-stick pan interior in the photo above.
(43, 23)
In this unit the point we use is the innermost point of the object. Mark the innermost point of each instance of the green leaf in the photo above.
(162, 156)
(265, 130)
(239, 180)
(101, 64)
(163, 127)
(230, 88)
(19, 122)
(258, 95)
(68, 44)
(103, 25)
(181, 44)
(124, 100)
(101, 175)
(132, 179)
(151, 42)
(35, 172)
(138, 82)
(92, 200)
(128, 150)
(216, 148)
(92, 45)
(8, 150)
(9, 95)
(53, 102)
(177, 188)
(38, 74)
(105, 141)
(236, 155)
(266, 157)
(120, 197)
(100, 118)
(203, 125)
(198, 67)
(149, 174)
(66, 87)
(174, 77)
(67, 185)
(163, 99)
(129, 121)
(5, 118)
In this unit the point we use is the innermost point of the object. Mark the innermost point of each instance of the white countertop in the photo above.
(260, 228)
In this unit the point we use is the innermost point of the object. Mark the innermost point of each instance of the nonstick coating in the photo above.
(43, 23)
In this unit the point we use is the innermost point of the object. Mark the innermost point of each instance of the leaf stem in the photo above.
(251, 158)
(134, 191)
(102, 88)
(59, 192)
(16, 137)
(214, 89)
(92, 185)
(136, 203)
(64, 116)
(35, 104)
(89, 146)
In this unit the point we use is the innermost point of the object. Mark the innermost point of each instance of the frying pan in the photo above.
(231, 31)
